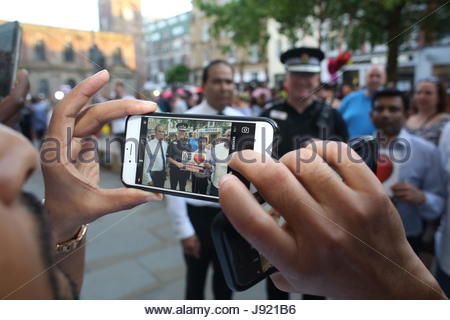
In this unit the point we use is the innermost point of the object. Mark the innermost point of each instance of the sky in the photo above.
(79, 14)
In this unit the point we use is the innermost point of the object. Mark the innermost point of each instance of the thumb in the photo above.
(125, 198)
(282, 283)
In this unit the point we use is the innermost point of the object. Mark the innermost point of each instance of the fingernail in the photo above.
(101, 71)
(224, 179)
(231, 156)
(148, 104)
(156, 197)
(150, 199)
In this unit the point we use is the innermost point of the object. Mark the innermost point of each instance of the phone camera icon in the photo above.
(245, 130)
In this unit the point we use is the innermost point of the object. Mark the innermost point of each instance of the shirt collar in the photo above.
(400, 142)
(210, 109)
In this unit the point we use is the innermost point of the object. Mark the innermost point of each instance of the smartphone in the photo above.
(242, 265)
(186, 155)
(10, 39)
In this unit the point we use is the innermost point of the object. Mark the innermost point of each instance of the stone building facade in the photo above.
(124, 16)
(58, 56)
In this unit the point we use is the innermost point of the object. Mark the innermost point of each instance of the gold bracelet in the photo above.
(75, 242)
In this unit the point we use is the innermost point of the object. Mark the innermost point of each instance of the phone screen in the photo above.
(9, 47)
(189, 155)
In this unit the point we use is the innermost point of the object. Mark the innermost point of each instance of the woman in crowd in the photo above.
(430, 110)
(427, 121)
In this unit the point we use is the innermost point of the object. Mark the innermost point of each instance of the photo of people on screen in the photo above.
(155, 161)
(186, 155)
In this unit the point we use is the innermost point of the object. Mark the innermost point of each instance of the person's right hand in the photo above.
(342, 238)
(403, 191)
(10, 105)
(180, 165)
(191, 246)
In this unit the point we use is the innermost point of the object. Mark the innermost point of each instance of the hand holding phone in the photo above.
(164, 149)
(343, 237)
(242, 264)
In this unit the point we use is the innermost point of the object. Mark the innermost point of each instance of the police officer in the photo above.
(178, 176)
(303, 116)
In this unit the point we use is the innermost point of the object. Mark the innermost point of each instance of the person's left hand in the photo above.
(10, 106)
(69, 161)
(405, 192)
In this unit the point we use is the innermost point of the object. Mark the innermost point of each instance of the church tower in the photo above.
(124, 16)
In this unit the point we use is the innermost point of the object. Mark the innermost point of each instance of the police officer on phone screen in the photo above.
(178, 176)
(302, 116)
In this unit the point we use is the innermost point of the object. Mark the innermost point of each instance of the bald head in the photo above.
(375, 78)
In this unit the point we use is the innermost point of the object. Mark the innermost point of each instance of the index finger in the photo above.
(92, 119)
(277, 185)
(66, 111)
(400, 185)
(348, 164)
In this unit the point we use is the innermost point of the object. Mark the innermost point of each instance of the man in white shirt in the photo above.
(192, 218)
(155, 158)
(443, 233)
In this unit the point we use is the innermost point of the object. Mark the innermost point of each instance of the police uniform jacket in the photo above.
(318, 120)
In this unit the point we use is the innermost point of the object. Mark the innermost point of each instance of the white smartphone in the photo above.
(186, 155)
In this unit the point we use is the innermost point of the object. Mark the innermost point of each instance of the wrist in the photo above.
(61, 235)
(61, 229)
(412, 280)
(421, 198)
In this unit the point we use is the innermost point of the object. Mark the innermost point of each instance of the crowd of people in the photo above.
(353, 236)
(200, 160)
(410, 168)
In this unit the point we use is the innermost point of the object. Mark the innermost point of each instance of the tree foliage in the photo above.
(178, 74)
(243, 21)
(387, 22)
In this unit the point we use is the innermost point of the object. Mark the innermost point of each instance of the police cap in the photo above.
(182, 126)
(302, 59)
